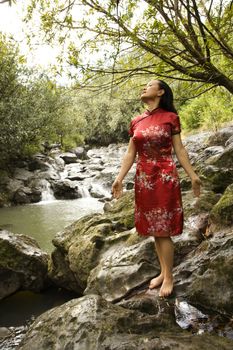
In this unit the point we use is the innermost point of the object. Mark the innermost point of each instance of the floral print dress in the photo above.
(158, 204)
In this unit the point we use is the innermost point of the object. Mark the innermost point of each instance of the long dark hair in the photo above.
(166, 100)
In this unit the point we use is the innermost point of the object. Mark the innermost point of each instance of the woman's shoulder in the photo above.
(169, 113)
(137, 118)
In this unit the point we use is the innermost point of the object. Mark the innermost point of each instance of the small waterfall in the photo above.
(47, 193)
(84, 191)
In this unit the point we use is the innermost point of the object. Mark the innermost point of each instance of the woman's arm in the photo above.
(126, 164)
(184, 161)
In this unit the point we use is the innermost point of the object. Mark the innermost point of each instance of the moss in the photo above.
(194, 206)
(124, 203)
(222, 212)
(219, 178)
(4, 199)
(134, 238)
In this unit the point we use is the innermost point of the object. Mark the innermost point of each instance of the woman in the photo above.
(158, 205)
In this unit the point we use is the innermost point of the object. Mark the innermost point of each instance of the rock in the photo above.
(224, 159)
(3, 200)
(27, 195)
(91, 323)
(222, 213)
(98, 191)
(69, 157)
(197, 142)
(196, 205)
(80, 152)
(132, 265)
(229, 141)
(81, 245)
(4, 177)
(66, 189)
(209, 153)
(22, 174)
(51, 175)
(14, 185)
(39, 162)
(4, 332)
(198, 223)
(204, 273)
(59, 162)
(130, 185)
(216, 179)
(220, 137)
(23, 265)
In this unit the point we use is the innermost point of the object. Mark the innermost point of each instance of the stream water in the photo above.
(40, 221)
(44, 219)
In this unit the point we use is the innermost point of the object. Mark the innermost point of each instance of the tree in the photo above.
(189, 40)
(33, 109)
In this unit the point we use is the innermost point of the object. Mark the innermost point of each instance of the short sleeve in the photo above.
(175, 124)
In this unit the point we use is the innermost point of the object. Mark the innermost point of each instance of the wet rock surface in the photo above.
(94, 170)
(23, 264)
(91, 322)
(108, 265)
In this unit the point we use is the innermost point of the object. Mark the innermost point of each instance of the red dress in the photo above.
(158, 204)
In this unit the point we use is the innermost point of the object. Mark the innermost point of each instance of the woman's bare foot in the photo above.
(166, 288)
(156, 282)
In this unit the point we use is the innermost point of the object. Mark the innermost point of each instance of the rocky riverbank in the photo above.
(103, 260)
(75, 174)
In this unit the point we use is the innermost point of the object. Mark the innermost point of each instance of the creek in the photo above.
(44, 219)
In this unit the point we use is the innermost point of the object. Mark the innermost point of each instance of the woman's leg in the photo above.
(165, 251)
(157, 281)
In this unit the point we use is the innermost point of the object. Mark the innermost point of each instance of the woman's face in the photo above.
(151, 91)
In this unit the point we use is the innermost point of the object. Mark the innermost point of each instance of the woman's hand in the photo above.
(196, 186)
(117, 189)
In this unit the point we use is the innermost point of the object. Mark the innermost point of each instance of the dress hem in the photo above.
(159, 234)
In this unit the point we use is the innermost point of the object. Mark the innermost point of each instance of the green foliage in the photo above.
(185, 40)
(32, 109)
(106, 118)
(209, 110)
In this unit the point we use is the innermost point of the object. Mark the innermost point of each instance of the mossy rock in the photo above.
(225, 159)
(215, 178)
(124, 203)
(4, 200)
(222, 213)
(203, 204)
(80, 245)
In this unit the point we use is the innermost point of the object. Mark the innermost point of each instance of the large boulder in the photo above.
(197, 205)
(27, 195)
(206, 272)
(69, 157)
(82, 246)
(22, 174)
(80, 152)
(216, 178)
(40, 162)
(220, 137)
(23, 264)
(93, 323)
(66, 189)
(122, 268)
(221, 214)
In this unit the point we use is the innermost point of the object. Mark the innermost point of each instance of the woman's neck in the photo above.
(151, 105)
